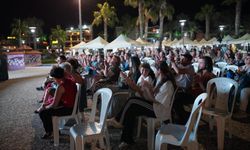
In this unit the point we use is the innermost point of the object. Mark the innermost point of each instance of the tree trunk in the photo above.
(20, 39)
(207, 27)
(105, 30)
(161, 29)
(170, 35)
(237, 16)
(146, 28)
(140, 11)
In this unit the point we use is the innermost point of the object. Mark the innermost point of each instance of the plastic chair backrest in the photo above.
(106, 95)
(234, 68)
(194, 118)
(172, 101)
(216, 71)
(222, 88)
(75, 109)
(221, 64)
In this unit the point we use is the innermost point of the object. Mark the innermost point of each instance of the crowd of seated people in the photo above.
(151, 92)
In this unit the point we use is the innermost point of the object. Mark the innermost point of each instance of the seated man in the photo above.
(184, 78)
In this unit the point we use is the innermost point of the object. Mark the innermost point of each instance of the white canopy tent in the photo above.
(242, 40)
(166, 42)
(96, 43)
(195, 43)
(186, 42)
(171, 43)
(213, 41)
(143, 42)
(77, 48)
(121, 42)
(227, 39)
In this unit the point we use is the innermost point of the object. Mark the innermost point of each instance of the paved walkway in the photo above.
(29, 72)
(20, 128)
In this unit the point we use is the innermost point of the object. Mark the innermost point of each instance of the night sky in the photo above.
(65, 12)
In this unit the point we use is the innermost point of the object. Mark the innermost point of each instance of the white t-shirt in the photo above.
(185, 80)
(162, 109)
(148, 79)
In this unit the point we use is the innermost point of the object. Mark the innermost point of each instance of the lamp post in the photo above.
(182, 22)
(80, 19)
(33, 31)
(221, 28)
(71, 34)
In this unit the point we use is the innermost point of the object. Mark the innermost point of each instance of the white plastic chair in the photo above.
(196, 66)
(216, 71)
(233, 68)
(91, 130)
(221, 64)
(117, 102)
(151, 122)
(218, 106)
(59, 121)
(182, 135)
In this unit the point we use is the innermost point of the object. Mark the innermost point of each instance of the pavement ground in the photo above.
(21, 128)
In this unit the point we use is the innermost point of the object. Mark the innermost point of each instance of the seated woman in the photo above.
(156, 104)
(109, 75)
(134, 83)
(69, 73)
(62, 103)
(147, 75)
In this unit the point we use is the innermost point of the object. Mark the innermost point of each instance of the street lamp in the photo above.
(182, 22)
(80, 19)
(221, 28)
(71, 34)
(33, 31)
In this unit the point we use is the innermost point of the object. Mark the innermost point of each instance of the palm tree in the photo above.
(166, 10)
(19, 29)
(150, 15)
(192, 29)
(139, 4)
(238, 7)
(128, 24)
(107, 15)
(60, 35)
(205, 14)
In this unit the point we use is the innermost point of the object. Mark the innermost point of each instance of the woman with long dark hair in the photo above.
(156, 103)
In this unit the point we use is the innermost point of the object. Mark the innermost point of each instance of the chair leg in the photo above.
(158, 141)
(107, 140)
(151, 133)
(61, 123)
(220, 132)
(211, 123)
(101, 142)
(72, 143)
(193, 145)
(55, 130)
(139, 127)
(230, 128)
